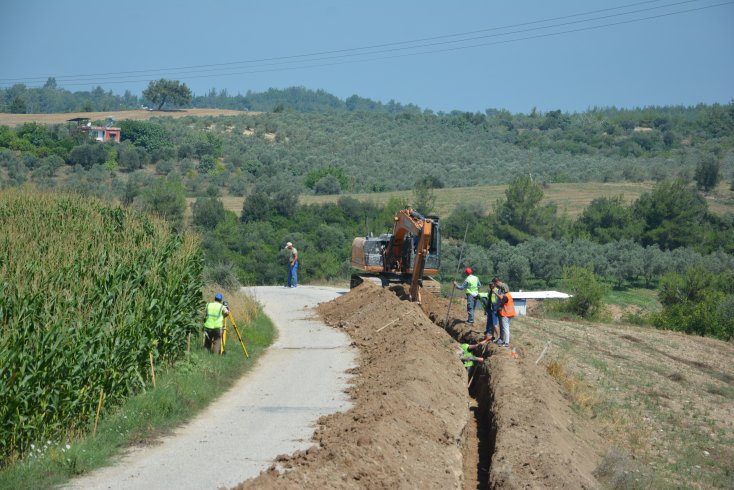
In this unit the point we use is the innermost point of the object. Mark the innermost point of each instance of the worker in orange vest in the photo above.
(507, 311)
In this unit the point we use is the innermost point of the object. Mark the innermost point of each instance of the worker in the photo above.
(500, 285)
(292, 266)
(468, 358)
(215, 313)
(471, 287)
(491, 305)
(506, 311)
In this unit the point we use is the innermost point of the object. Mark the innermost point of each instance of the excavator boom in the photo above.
(406, 255)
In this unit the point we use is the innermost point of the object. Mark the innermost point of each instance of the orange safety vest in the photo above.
(508, 306)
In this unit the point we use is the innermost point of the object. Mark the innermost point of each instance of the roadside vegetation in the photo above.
(95, 299)
(182, 390)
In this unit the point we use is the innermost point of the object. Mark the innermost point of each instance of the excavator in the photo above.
(408, 255)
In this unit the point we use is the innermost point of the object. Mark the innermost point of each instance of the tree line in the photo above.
(333, 153)
(250, 247)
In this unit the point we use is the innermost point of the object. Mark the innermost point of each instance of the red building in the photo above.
(99, 133)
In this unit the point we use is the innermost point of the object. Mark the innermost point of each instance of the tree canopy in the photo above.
(172, 91)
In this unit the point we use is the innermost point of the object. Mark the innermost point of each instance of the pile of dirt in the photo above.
(406, 428)
(537, 440)
(414, 424)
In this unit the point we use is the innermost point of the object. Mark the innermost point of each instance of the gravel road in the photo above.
(270, 411)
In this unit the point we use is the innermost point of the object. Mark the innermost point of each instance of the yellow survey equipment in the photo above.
(230, 317)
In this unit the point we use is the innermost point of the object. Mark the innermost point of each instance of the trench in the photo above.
(481, 431)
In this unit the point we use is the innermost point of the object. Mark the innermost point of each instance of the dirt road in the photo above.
(271, 411)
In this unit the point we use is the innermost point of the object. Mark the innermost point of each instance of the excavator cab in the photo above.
(411, 254)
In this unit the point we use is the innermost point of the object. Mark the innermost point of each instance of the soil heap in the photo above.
(414, 425)
(406, 428)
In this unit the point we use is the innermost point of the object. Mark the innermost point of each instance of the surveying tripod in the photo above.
(237, 331)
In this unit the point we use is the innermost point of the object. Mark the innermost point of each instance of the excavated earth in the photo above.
(414, 423)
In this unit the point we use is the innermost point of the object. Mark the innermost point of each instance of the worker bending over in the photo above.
(468, 358)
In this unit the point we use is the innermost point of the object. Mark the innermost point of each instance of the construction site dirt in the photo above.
(414, 423)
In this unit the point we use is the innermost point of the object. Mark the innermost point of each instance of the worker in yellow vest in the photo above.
(471, 287)
(215, 313)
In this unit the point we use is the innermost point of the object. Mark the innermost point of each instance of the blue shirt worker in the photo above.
(215, 313)
(471, 287)
(292, 266)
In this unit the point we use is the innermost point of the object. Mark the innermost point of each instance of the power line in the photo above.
(287, 60)
(345, 50)
(309, 63)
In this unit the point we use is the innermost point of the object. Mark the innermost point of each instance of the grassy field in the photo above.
(571, 199)
(663, 401)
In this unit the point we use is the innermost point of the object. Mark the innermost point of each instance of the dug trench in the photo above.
(414, 423)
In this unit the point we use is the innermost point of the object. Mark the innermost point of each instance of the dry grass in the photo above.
(244, 309)
(579, 391)
(571, 199)
(664, 399)
(141, 115)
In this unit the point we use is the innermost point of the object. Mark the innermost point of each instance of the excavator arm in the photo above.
(409, 223)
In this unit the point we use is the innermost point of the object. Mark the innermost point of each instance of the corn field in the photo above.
(88, 291)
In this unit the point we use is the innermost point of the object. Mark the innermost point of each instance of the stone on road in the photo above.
(272, 410)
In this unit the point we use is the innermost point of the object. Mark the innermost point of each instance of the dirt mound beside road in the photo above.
(537, 440)
(414, 424)
(410, 405)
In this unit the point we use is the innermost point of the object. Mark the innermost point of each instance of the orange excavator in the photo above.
(409, 255)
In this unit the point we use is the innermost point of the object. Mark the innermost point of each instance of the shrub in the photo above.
(587, 292)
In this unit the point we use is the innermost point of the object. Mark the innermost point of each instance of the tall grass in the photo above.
(88, 292)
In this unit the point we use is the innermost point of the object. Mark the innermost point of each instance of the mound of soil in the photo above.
(538, 441)
(414, 424)
(410, 412)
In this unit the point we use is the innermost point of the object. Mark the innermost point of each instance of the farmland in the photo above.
(571, 199)
(92, 296)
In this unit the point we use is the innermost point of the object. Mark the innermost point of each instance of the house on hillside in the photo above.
(102, 134)
(521, 299)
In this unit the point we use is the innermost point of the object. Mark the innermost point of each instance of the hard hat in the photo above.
(467, 270)
(218, 297)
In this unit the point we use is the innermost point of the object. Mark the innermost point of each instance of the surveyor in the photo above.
(471, 287)
(506, 311)
(292, 266)
(215, 313)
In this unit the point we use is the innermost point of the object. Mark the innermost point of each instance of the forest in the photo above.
(310, 142)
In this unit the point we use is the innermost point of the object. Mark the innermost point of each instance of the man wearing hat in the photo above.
(215, 313)
(471, 287)
(293, 266)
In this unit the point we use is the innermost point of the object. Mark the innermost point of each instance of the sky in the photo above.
(469, 55)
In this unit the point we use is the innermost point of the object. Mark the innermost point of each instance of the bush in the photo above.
(699, 302)
(327, 185)
(587, 292)
(208, 212)
(88, 155)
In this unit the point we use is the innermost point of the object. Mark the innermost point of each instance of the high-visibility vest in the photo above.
(508, 306)
(472, 285)
(214, 315)
(465, 348)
